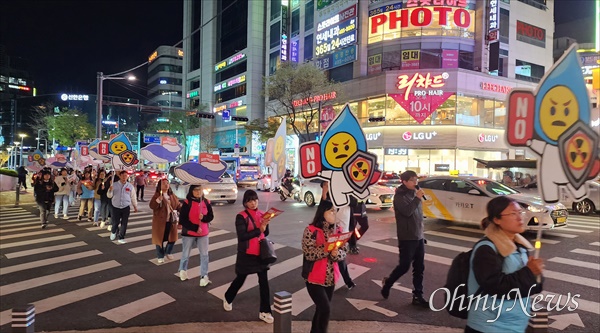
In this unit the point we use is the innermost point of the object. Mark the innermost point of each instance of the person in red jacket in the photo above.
(195, 214)
(251, 227)
(320, 267)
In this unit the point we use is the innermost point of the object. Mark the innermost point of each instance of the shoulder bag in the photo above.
(267, 250)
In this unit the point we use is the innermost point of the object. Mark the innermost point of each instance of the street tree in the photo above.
(40, 117)
(68, 126)
(264, 129)
(302, 82)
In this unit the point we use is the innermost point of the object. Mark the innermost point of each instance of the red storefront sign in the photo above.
(314, 99)
(421, 94)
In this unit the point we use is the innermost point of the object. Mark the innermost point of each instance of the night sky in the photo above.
(66, 42)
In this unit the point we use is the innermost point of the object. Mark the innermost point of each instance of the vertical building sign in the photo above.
(493, 20)
(284, 51)
(295, 50)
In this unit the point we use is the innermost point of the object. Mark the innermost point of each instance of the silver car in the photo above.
(381, 197)
(224, 190)
(464, 199)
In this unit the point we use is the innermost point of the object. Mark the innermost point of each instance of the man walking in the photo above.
(140, 183)
(123, 197)
(408, 210)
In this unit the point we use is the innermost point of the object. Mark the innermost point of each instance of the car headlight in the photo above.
(235, 190)
(374, 194)
(535, 209)
(206, 191)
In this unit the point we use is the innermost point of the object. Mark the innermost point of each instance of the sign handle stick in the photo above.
(538, 246)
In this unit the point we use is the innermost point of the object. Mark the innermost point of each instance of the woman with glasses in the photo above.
(501, 268)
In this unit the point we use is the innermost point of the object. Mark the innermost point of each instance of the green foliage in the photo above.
(299, 82)
(69, 126)
(265, 129)
(8, 172)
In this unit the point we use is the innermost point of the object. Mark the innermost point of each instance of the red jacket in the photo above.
(253, 243)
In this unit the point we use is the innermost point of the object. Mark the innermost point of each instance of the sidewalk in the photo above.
(297, 326)
(7, 198)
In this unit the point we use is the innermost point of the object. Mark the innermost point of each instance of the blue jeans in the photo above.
(64, 199)
(188, 243)
(97, 204)
(161, 251)
(105, 208)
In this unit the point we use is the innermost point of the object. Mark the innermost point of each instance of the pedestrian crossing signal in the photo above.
(376, 119)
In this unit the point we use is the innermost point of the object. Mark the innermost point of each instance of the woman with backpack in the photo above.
(85, 189)
(320, 267)
(251, 228)
(196, 214)
(163, 203)
(500, 263)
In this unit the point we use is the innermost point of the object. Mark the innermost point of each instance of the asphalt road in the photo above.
(79, 280)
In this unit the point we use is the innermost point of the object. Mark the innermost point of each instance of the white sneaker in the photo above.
(170, 256)
(183, 275)
(113, 236)
(95, 224)
(266, 317)
(227, 306)
(65, 216)
(161, 260)
(204, 281)
(108, 227)
(121, 241)
(55, 216)
(102, 225)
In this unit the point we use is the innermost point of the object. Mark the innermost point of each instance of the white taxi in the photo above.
(381, 197)
(224, 190)
(464, 199)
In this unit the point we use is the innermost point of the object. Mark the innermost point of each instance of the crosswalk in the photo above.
(57, 263)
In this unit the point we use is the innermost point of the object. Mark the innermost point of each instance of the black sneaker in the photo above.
(44, 225)
(420, 301)
(385, 291)
(354, 250)
(351, 285)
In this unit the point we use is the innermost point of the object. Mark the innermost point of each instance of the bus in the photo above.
(245, 170)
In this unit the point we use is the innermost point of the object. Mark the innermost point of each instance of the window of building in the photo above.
(430, 59)
(275, 34)
(231, 72)
(165, 68)
(295, 22)
(504, 25)
(467, 111)
(309, 15)
(194, 84)
(195, 38)
(275, 9)
(308, 47)
(499, 114)
(342, 73)
(273, 62)
(465, 60)
(539, 4)
(527, 71)
(230, 94)
(233, 27)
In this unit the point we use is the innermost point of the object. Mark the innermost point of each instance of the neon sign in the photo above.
(493, 19)
(495, 87)
(228, 84)
(454, 3)
(388, 23)
(66, 97)
(226, 63)
(153, 56)
(427, 96)
(12, 86)
(312, 99)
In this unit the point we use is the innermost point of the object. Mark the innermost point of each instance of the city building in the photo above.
(165, 77)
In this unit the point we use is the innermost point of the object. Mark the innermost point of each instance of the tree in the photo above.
(264, 129)
(299, 83)
(68, 126)
(40, 117)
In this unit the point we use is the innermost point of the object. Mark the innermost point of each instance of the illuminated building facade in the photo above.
(165, 77)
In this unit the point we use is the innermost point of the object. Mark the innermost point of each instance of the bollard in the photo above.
(23, 319)
(539, 323)
(282, 304)
(17, 194)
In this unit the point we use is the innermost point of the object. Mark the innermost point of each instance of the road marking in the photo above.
(576, 263)
(396, 286)
(44, 250)
(595, 244)
(450, 247)
(252, 280)
(473, 230)
(581, 225)
(213, 266)
(125, 312)
(582, 304)
(34, 241)
(7, 227)
(60, 276)
(582, 221)
(563, 277)
(50, 261)
(587, 252)
(211, 247)
(150, 247)
(33, 233)
(394, 249)
(25, 228)
(19, 221)
(301, 298)
(139, 220)
(74, 296)
(580, 231)
(559, 234)
(447, 235)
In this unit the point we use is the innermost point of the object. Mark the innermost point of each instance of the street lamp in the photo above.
(21, 153)
(9, 149)
(39, 137)
(100, 79)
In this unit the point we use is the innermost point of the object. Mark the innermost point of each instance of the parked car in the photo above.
(586, 206)
(390, 179)
(464, 199)
(224, 190)
(263, 183)
(381, 197)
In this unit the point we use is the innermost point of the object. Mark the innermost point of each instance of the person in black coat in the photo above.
(22, 176)
(44, 189)
(251, 227)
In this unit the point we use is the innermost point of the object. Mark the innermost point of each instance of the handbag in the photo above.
(267, 250)
(173, 214)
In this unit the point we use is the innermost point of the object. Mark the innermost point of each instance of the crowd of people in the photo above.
(498, 266)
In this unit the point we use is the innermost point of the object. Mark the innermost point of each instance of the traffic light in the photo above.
(205, 115)
(235, 118)
(376, 119)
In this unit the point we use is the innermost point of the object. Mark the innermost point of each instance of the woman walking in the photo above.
(196, 213)
(105, 201)
(320, 267)
(163, 202)
(98, 183)
(86, 189)
(251, 227)
(44, 189)
(62, 196)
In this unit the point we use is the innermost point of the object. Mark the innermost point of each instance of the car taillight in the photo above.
(237, 174)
